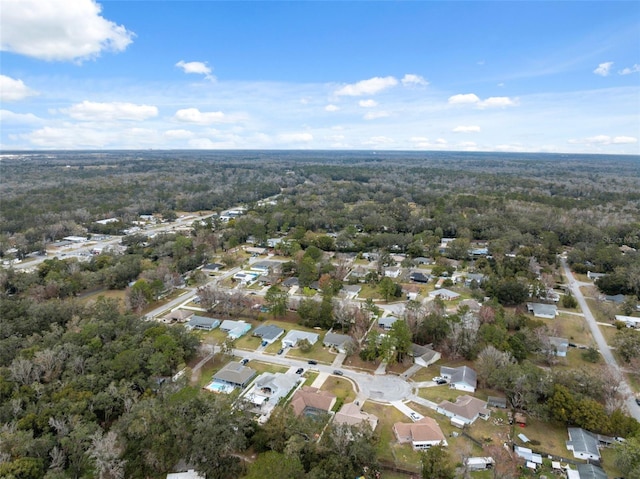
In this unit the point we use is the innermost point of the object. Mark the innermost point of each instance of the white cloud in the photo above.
(178, 134)
(604, 140)
(378, 141)
(93, 111)
(374, 115)
(301, 137)
(464, 99)
(473, 99)
(413, 80)
(13, 90)
(59, 30)
(7, 117)
(629, 70)
(466, 129)
(367, 87)
(603, 69)
(193, 115)
(367, 103)
(497, 102)
(199, 68)
(202, 144)
(331, 108)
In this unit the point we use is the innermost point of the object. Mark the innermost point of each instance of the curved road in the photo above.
(574, 286)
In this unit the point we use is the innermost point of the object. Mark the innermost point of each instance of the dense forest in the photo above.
(82, 392)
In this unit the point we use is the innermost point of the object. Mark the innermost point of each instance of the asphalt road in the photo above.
(574, 286)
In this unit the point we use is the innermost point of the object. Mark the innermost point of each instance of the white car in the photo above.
(437, 378)
(415, 416)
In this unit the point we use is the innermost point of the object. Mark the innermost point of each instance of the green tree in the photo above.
(401, 336)
(436, 464)
(628, 457)
(387, 288)
(278, 300)
(568, 301)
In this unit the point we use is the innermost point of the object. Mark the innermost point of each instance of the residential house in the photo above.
(498, 402)
(584, 444)
(311, 401)
(424, 355)
(235, 374)
(235, 329)
(615, 298)
(540, 310)
(255, 249)
(465, 410)
(444, 294)
(591, 471)
(265, 267)
(532, 459)
(469, 278)
(421, 434)
(393, 272)
(273, 242)
(245, 277)
(339, 342)
(190, 474)
(202, 322)
(271, 387)
(480, 463)
(559, 346)
(463, 378)
(178, 315)
(268, 332)
(594, 276)
(291, 282)
(630, 321)
(386, 322)
(293, 336)
(472, 304)
(419, 277)
(351, 291)
(352, 414)
(211, 268)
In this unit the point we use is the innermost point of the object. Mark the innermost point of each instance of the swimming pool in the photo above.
(219, 387)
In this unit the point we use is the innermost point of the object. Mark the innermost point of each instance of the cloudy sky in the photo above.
(372, 75)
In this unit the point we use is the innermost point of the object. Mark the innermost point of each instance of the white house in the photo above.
(584, 444)
(293, 336)
(463, 378)
(444, 294)
(190, 474)
(465, 410)
(480, 463)
(630, 321)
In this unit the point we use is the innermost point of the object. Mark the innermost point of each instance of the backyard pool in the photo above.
(219, 387)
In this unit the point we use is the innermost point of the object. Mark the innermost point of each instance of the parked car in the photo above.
(414, 416)
(244, 361)
(337, 372)
(437, 378)
(281, 351)
(312, 361)
(299, 371)
(441, 381)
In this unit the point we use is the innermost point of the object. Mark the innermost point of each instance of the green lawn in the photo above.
(437, 394)
(341, 387)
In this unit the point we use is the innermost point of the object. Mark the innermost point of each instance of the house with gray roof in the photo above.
(271, 387)
(540, 310)
(293, 336)
(386, 322)
(591, 471)
(559, 345)
(584, 444)
(444, 294)
(465, 410)
(463, 378)
(339, 342)
(235, 374)
(235, 329)
(424, 355)
(268, 332)
(202, 322)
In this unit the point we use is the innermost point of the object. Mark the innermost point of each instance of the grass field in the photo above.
(341, 387)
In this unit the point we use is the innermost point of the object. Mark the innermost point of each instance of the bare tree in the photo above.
(105, 452)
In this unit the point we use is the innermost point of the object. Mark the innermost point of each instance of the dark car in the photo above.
(441, 381)
(337, 372)
(299, 371)
(312, 361)
(281, 351)
(244, 361)
(638, 401)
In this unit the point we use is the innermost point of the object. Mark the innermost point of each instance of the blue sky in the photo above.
(372, 75)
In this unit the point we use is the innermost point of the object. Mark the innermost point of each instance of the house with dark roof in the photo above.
(212, 268)
(421, 434)
(235, 374)
(583, 444)
(463, 378)
(494, 401)
(202, 322)
(268, 332)
(465, 410)
(419, 277)
(291, 282)
(311, 401)
(339, 342)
